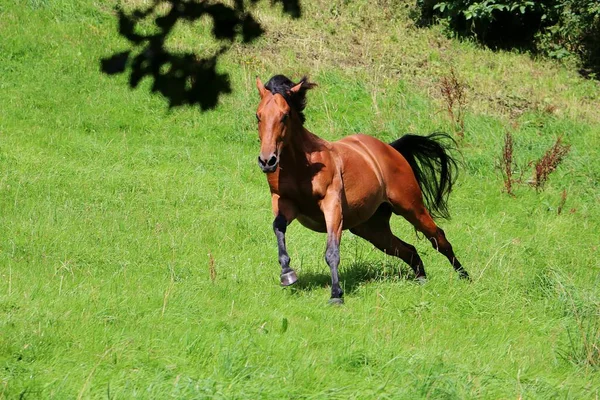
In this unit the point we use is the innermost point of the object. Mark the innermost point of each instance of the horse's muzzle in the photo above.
(269, 165)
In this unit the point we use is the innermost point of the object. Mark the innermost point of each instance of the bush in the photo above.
(557, 28)
(575, 30)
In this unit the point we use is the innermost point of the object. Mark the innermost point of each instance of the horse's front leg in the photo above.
(332, 210)
(284, 215)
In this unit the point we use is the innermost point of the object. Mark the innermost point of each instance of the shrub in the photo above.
(557, 28)
(497, 23)
(575, 30)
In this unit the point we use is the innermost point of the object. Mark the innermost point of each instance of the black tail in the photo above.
(433, 167)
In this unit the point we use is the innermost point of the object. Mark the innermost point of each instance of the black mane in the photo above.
(297, 101)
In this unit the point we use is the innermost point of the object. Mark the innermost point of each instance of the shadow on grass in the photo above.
(184, 78)
(354, 276)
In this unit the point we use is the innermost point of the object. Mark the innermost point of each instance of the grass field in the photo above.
(137, 258)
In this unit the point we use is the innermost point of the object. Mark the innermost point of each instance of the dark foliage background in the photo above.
(556, 28)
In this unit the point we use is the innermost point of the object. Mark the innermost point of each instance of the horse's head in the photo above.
(281, 105)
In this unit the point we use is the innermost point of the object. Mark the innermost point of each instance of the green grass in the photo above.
(112, 207)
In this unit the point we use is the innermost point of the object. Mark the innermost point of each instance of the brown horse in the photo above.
(355, 183)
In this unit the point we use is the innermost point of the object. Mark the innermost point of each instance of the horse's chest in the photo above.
(303, 191)
(300, 190)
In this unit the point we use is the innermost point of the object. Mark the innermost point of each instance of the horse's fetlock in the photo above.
(337, 293)
(284, 260)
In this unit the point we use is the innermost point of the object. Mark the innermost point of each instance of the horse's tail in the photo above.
(433, 166)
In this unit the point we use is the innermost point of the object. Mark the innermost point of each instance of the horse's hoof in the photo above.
(289, 278)
(464, 275)
(421, 280)
(336, 301)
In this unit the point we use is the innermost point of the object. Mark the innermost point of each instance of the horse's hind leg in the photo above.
(422, 221)
(377, 231)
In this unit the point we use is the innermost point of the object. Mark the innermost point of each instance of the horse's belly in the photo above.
(354, 213)
(363, 194)
(358, 215)
(314, 224)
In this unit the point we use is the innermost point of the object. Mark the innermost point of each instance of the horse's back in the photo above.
(376, 167)
(384, 154)
(383, 159)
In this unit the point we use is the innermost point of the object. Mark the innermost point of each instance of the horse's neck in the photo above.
(302, 144)
(296, 162)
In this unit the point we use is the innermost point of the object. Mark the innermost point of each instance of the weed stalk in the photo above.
(548, 163)
(507, 163)
(563, 200)
(211, 267)
(455, 100)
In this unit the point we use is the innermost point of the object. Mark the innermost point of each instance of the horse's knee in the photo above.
(410, 248)
(332, 255)
(280, 224)
(438, 240)
(435, 242)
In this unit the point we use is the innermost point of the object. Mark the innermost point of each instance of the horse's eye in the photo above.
(257, 118)
(285, 117)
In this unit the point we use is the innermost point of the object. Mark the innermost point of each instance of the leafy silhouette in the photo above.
(184, 78)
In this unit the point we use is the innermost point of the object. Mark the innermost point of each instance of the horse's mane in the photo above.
(297, 101)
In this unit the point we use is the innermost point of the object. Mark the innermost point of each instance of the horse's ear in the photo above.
(261, 88)
(304, 83)
(296, 89)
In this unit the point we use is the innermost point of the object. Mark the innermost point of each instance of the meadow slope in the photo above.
(137, 258)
